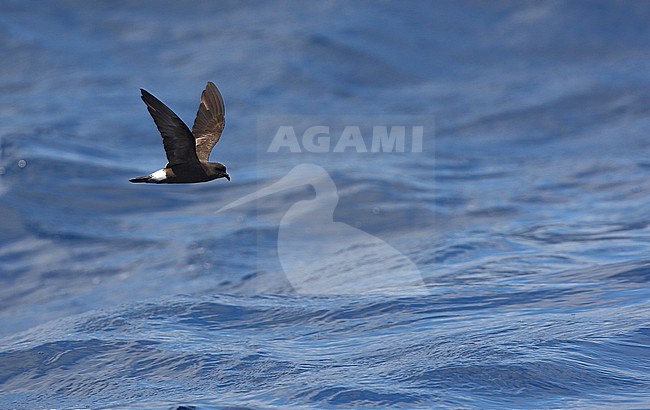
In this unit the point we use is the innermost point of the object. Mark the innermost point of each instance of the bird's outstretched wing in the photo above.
(209, 122)
(177, 138)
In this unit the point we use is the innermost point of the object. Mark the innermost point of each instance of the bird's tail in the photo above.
(140, 179)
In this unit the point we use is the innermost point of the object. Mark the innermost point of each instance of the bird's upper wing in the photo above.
(209, 122)
(177, 138)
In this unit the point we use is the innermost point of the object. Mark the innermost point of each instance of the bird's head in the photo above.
(220, 170)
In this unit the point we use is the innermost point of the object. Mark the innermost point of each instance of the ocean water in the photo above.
(505, 265)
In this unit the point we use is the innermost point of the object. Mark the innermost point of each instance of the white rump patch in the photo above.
(159, 175)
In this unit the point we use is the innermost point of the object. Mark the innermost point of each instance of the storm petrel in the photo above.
(188, 151)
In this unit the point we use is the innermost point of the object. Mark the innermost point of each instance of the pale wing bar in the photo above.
(210, 121)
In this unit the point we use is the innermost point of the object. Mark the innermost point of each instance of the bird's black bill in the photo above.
(228, 177)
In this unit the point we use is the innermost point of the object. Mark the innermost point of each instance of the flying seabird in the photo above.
(188, 151)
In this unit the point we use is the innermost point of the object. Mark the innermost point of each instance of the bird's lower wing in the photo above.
(178, 141)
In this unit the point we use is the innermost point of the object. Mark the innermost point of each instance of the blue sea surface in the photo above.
(526, 214)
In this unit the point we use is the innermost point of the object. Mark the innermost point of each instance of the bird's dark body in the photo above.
(187, 174)
(188, 151)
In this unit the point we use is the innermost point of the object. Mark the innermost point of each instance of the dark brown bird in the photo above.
(188, 151)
